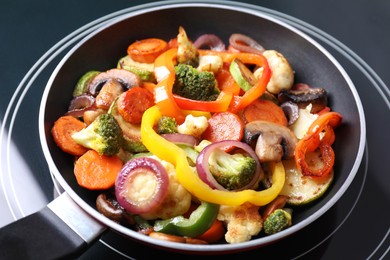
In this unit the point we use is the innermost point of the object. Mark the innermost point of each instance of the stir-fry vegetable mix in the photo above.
(193, 142)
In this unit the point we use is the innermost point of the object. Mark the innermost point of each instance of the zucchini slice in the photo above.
(82, 84)
(144, 70)
(302, 189)
(242, 75)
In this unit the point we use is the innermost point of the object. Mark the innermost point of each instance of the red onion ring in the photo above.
(80, 102)
(244, 43)
(78, 105)
(203, 169)
(212, 41)
(181, 139)
(124, 180)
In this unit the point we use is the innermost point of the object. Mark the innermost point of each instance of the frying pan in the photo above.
(70, 223)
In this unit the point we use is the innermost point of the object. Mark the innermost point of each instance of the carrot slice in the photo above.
(224, 126)
(262, 109)
(133, 103)
(147, 50)
(214, 233)
(278, 203)
(97, 172)
(62, 131)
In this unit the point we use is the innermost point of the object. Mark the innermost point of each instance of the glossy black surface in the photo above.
(49, 22)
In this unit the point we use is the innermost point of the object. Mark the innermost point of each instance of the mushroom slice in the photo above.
(271, 141)
(109, 207)
(291, 110)
(106, 96)
(126, 78)
(315, 96)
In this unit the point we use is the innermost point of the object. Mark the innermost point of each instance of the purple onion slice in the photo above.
(141, 185)
(203, 169)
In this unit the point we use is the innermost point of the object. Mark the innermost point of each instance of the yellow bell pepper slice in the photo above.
(187, 176)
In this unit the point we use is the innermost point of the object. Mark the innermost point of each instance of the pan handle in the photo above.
(60, 230)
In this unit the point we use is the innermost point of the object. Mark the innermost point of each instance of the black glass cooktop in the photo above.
(36, 35)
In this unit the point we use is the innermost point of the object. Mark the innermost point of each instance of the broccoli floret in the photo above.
(103, 135)
(232, 171)
(193, 84)
(277, 221)
(166, 125)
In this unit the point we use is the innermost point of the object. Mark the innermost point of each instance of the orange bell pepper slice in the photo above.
(165, 74)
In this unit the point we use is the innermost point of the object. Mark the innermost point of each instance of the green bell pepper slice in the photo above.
(199, 222)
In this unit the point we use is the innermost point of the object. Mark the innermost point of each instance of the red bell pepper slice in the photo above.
(312, 141)
(240, 102)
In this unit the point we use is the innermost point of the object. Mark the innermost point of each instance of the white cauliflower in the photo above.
(242, 222)
(178, 200)
(302, 124)
(202, 145)
(186, 50)
(282, 74)
(212, 63)
(193, 125)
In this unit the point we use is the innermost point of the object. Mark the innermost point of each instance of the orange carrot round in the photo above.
(262, 109)
(62, 131)
(97, 172)
(147, 50)
(133, 103)
(224, 126)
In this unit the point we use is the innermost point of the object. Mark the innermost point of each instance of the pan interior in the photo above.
(102, 50)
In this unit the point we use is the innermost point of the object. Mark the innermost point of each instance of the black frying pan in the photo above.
(71, 222)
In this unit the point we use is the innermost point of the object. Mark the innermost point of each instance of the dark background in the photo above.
(28, 29)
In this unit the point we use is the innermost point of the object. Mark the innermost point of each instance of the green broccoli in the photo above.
(193, 84)
(166, 125)
(103, 135)
(232, 171)
(277, 221)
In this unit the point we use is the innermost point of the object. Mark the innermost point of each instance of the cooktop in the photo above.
(36, 35)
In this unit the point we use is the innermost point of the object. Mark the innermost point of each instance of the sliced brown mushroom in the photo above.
(291, 110)
(126, 78)
(110, 90)
(109, 207)
(271, 142)
(303, 97)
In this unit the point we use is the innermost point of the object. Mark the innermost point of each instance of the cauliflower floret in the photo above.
(202, 145)
(242, 222)
(187, 52)
(302, 124)
(178, 200)
(282, 74)
(193, 125)
(212, 63)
